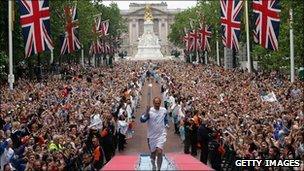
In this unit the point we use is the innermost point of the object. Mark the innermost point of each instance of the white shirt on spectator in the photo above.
(122, 127)
(172, 102)
(6, 156)
(129, 111)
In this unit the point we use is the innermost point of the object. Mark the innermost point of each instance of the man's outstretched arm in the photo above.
(145, 116)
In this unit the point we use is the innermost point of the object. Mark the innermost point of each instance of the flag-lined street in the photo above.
(90, 85)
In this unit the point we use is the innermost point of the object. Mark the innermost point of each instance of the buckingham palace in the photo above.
(134, 18)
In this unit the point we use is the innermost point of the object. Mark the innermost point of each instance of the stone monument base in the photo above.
(148, 45)
(148, 53)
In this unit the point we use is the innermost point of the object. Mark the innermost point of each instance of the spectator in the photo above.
(37, 116)
(98, 159)
(56, 120)
(233, 103)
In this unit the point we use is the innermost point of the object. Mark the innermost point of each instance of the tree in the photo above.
(200, 13)
(268, 60)
(278, 60)
(86, 11)
(182, 20)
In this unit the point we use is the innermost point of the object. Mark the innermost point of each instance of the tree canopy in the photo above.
(268, 60)
(86, 11)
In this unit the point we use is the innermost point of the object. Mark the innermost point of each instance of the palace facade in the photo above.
(134, 19)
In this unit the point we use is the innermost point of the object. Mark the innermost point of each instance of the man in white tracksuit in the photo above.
(156, 118)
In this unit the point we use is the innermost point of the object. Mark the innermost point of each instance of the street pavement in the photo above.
(138, 143)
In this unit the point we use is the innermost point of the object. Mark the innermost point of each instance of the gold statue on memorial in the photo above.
(148, 13)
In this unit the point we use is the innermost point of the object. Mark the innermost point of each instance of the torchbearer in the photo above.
(156, 118)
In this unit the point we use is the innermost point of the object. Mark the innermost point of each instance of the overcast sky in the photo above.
(171, 4)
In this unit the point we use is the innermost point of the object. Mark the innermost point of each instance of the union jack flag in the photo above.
(101, 27)
(205, 34)
(108, 49)
(104, 28)
(101, 46)
(94, 48)
(267, 22)
(70, 42)
(97, 47)
(188, 42)
(231, 22)
(35, 23)
(195, 39)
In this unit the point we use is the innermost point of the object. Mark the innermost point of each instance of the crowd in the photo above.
(222, 113)
(72, 121)
(76, 120)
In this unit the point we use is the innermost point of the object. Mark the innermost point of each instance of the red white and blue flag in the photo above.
(107, 48)
(70, 42)
(267, 22)
(188, 42)
(195, 40)
(205, 34)
(101, 27)
(97, 47)
(35, 23)
(94, 48)
(231, 22)
(104, 28)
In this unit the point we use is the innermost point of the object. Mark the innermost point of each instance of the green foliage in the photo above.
(278, 60)
(112, 13)
(209, 10)
(181, 22)
(86, 11)
(268, 60)
(211, 13)
(298, 8)
(3, 62)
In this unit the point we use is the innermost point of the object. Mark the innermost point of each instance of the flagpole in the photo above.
(11, 77)
(191, 26)
(247, 38)
(52, 56)
(225, 58)
(93, 60)
(292, 67)
(217, 53)
(197, 60)
(195, 43)
(82, 56)
(217, 46)
(206, 57)
(39, 69)
(190, 55)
